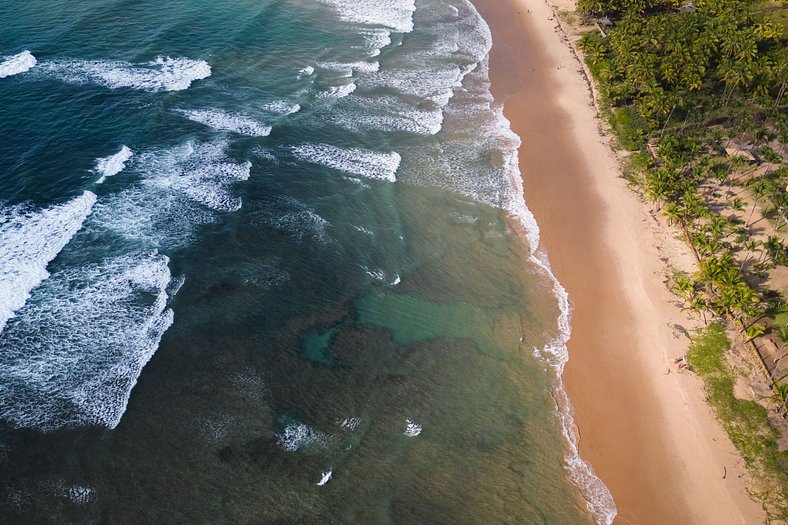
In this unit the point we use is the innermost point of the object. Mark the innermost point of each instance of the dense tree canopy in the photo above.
(656, 56)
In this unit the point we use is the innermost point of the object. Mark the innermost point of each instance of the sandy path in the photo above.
(648, 434)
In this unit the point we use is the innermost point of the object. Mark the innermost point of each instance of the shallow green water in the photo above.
(295, 259)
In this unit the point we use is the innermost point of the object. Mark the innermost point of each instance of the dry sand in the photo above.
(648, 433)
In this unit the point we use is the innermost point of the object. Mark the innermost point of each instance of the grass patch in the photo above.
(629, 127)
(781, 316)
(745, 421)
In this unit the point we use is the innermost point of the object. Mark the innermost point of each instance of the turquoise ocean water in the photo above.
(269, 262)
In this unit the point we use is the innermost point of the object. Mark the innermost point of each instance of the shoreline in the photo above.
(643, 427)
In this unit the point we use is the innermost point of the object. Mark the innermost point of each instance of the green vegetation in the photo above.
(744, 421)
(681, 83)
(696, 93)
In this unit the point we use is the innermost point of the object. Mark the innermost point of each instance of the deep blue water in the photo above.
(268, 262)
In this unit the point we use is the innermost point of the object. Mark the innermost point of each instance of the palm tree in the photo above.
(658, 186)
(673, 213)
(759, 188)
(775, 249)
(718, 227)
(698, 305)
(684, 287)
(751, 245)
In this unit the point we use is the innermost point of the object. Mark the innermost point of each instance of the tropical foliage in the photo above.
(680, 84)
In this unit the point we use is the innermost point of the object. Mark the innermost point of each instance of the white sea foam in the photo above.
(394, 14)
(180, 188)
(476, 133)
(281, 107)
(216, 428)
(356, 161)
(412, 429)
(226, 121)
(74, 352)
(293, 218)
(77, 494)
(30, 239)
(350, 68)
(349, 423)
(326, 476)
(364, 230)
(338, 91)
(199, 171)
(248, 383)
(161, 74)
(376, 273)
(435, 84)
(388, 113)
(459, 41)
(375, 39)
(264, 276)
(114, 164)
(296, 435)
(265, 153)
(15, 64)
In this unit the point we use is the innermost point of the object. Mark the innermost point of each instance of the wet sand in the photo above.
(647, 433)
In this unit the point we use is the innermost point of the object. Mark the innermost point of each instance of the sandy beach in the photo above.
(643, 426)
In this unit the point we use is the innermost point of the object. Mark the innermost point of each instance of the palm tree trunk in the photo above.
(666, 121)
(689, 241)
(780, 94)
(759, 358)
(747, 222)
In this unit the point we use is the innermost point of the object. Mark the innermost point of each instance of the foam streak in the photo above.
(225, 121)
(72, 355)
(161, 74)
(114, 164)
(30, 240)
(355, 161)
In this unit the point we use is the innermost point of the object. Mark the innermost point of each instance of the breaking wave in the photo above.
(15, 64)
(355, 161)
(394, 14)
(30, 240)
(226, 121)
(161, 74)
(339, 91)
(281, 107)
(180, 188)
(74, 352)
(114, 164)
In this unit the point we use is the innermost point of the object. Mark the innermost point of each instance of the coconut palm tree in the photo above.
(751, 245)
(699, 305)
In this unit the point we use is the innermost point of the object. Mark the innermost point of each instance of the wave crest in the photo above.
(226, 121)
(73, 354)
(30, 240)
(356, 161)
(114, 164)
(161, 74)
(15, 64)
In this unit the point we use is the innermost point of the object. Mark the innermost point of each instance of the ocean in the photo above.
(269, 262)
